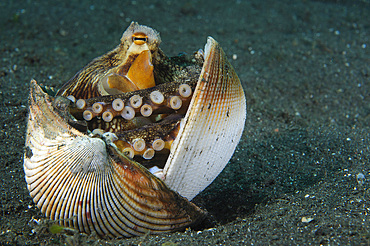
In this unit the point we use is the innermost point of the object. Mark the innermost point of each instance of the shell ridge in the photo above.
(132, 202)
(209, 101)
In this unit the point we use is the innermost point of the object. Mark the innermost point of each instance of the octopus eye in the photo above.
(139, 38)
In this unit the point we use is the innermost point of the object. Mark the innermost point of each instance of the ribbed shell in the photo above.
(212, 126)
(87, 184)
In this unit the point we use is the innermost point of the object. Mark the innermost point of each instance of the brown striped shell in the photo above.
(84, 172)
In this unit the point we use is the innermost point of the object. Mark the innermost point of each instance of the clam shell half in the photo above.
(212, 126)
(86, 183)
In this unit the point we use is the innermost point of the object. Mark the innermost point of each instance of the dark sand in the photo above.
(305, 69)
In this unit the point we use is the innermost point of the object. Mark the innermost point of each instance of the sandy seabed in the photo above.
(305, 69)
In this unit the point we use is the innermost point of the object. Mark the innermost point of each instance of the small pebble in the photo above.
(360, 177)
(306, 219)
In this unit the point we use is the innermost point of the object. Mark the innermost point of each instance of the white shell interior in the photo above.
(211, 129)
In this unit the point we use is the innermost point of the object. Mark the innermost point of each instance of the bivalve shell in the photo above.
(85, 183)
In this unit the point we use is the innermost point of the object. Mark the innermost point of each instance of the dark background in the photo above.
(305, 70)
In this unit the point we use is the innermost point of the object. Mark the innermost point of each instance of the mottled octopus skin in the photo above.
(89, 148)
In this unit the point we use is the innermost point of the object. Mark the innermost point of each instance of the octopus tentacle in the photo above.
(147, 141)
(161, 99)
(158, 136)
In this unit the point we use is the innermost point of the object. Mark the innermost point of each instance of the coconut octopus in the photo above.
(125, 145)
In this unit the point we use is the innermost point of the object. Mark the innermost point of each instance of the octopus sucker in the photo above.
(118, 104)
(136, 101)
(133, 137)
(138, 144)
(107, 116)
(80, 103)
(146, 110)
(129, 152)
(148, 153)
(175, 102)
(158, 144)
(88, 115)
(156, 97)
(71, 98)
(185, 90)
(128, 113)
(97, 108)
